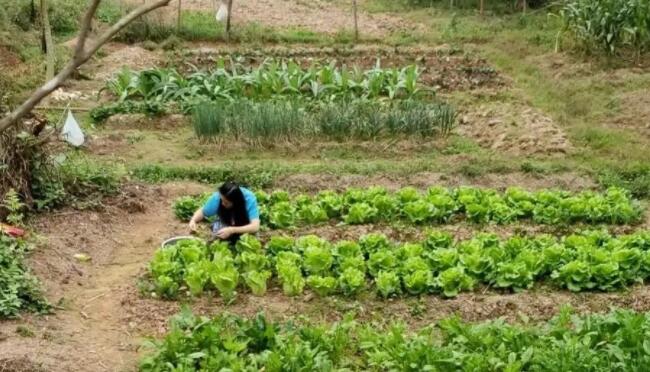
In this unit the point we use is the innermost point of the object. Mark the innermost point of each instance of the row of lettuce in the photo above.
(279, 209)
(591, 260)
(617, 341)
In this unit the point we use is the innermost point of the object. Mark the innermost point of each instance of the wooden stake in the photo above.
(482, 8)
(178, 17)
(356, 22)
(228, 20)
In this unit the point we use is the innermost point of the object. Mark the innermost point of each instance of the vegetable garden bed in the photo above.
(616, 341)
(592, 260)
(437, 205)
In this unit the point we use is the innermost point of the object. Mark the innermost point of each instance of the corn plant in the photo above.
(609, 25)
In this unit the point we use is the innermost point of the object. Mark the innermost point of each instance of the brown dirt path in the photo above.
(87, 334)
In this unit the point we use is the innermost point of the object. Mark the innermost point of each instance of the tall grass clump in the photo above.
(271, 122)
(609, 25)
(208, 120)
(256, 123)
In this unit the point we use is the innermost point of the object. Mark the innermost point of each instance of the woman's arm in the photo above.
(251, 228)
(196, 218)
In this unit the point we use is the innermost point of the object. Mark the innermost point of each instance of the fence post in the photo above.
(178, 17)
(228, 20)
(356, 22)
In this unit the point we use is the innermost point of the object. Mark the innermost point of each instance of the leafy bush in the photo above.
(72, 180)
(633, 177)
(20, 289)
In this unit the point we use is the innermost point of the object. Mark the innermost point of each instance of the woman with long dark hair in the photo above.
(237, 210)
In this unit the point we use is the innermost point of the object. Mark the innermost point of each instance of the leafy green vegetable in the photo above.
(360, 213)
(291, 278)
(454, 280)
(225, 278)
(317, 259)
(19, 289)
(256, 281)
(322, 285)
(351, 281)
(248, 261)
(418, 211)
(248, 243)
(418, 281)
(282, 215)
(388, 283)
(381, 260)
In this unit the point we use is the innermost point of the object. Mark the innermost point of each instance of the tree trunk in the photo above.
(47, 40)
(33, 14)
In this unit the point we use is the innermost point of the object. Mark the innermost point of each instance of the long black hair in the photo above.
(237, 214)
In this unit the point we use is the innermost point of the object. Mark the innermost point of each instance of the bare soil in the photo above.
(316, 182)
(513, 128)
(313, 15)
(122, 56)
(635, 115)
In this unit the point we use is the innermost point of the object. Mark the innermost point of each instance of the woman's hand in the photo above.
(192, 225)
(225, 233)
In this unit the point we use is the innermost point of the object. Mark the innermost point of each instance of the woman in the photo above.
(237, 210)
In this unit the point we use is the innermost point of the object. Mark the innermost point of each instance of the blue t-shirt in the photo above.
(211, 207)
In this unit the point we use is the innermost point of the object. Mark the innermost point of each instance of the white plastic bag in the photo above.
(222, 12)
(71, 131)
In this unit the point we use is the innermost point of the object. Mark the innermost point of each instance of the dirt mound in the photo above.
(121, 56)
(635, 112)
(317, 182)
(513, 128)
(19, 364)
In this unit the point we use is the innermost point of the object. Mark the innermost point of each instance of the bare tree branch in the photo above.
(85, 26)
(82, 55)
(123, 22)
